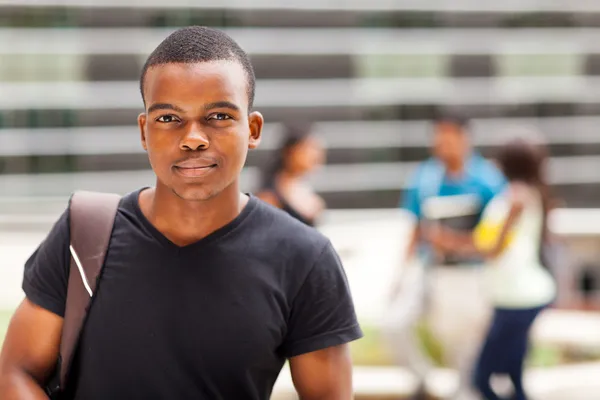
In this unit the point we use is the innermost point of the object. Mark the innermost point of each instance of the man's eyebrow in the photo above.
(163, 106)
(221, 104)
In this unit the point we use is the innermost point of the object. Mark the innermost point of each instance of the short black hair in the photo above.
(521, 160)
(452, 117)
(196, 44)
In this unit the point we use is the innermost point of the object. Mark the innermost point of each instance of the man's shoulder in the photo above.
(428, 164)
(284, 231)
(487, 173)
(127, 201)
(483, 166)
(422, 172)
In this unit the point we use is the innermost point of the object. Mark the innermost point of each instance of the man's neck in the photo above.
(184, 222)
(455, 171)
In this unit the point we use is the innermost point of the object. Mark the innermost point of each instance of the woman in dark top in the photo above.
(284, 184)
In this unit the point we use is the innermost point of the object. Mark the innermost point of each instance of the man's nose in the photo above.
(194, 139)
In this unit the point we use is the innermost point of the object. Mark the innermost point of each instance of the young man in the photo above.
(451, 188)
(205, 291)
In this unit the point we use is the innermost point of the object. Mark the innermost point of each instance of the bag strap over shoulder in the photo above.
(91, 218)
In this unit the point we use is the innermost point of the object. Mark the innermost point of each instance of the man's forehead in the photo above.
(449, 126)
(225, 78)
(450, 131)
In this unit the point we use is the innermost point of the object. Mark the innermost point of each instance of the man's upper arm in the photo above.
(323, 374)
(46, 274)
(322, 312)
(33, 338)
(32, 342)
(410, 198)
(322, 321)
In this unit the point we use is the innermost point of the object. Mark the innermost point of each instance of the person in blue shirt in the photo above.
(451, 188)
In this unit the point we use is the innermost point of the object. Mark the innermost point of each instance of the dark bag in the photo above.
(91, 220)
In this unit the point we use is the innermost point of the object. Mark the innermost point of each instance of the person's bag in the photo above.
(91, 220)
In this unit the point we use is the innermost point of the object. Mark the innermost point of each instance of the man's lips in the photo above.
(194, 168)
(195, 163)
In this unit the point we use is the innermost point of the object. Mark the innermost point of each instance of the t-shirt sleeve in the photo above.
(322, 313)
(410, 198)
(47, 270)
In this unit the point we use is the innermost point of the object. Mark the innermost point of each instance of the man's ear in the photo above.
(142, 126)
(255, 123)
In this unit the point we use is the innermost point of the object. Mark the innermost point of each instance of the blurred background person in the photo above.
(284, 183)
(451, 188)
(510, 236)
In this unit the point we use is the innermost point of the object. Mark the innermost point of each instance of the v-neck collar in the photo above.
(210, 238)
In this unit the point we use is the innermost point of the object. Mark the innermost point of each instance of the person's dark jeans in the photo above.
(504, 350)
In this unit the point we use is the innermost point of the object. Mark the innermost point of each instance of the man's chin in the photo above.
(195, 194)
(197, 191)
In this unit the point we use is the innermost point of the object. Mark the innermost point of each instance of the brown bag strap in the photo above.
(91, 217)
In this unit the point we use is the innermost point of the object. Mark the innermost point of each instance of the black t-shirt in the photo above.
(212, 320)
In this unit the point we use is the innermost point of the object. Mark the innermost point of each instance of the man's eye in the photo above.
(220, 117)
(166, 118)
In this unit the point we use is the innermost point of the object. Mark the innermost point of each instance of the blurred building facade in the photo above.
(372, 74)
